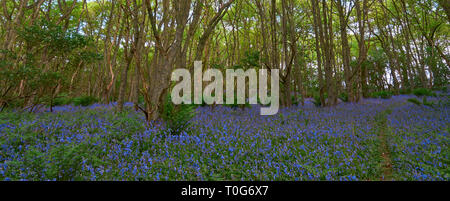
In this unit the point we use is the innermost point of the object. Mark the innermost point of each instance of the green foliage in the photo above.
(344, 97)
(437, 66)
(126, 120)
(382, 94)
(424, 102)
(316, 101)
(64, 162)
(10, 117)
(62, 99)
(443, 89)
(61, 49)
(217, 66)
(422, 92)
(55, 38)
(294, 101)
(251, 59)
(36, 79)
(84, 101)
(177, 117)
(141, 100)
(405, 91)
(415, 101)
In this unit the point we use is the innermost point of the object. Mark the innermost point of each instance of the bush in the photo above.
(84, 101)
(63, 162)
(382, 94)
(443, 89)
(63, 44)
(317, 101)
(294, 101)
(177, 117)
(63, 99)
(415, 101)
(423, 92)
(405, 91)
(16, 103)
(425, 102)
(343, 97)
(141, 100)
(9, 116)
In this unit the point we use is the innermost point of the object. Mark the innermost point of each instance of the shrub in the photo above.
(382, 94)
(63, 44)
(422, 92)
(84, 101)
(15, 103)
(344, 97)
(141, 100)
(13, 117)
(177, 117)
(63, 99)
(317, 101)
(425, 102)
(43, 159)
(126, 120)
(405, 91)
(294, 101)
(415, 101)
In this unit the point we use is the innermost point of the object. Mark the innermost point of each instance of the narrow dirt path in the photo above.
(386, 163)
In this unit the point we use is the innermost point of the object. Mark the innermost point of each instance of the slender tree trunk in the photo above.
(317, 24)
(343, 21)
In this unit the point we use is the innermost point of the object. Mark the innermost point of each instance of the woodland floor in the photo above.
(377, 139)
